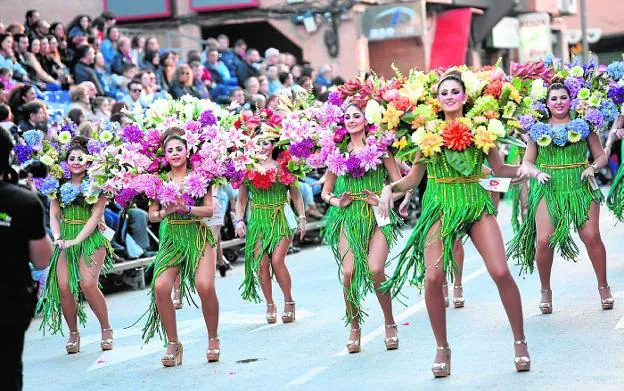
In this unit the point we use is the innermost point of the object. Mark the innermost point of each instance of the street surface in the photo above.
(578, 347)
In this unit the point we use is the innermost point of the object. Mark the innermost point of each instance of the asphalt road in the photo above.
(578, 347)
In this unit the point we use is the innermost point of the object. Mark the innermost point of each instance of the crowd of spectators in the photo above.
(91, 71)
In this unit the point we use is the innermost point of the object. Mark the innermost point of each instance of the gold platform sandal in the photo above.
(442, 369)
(523, 363)
(288, 316)
(73, 347)
(173, 359)
(107, 343)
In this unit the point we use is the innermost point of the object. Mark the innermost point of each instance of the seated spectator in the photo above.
(271, 57)
(325, 76)
(30, 21)
(6, 77)
(272, 102)
(19, 96)
(138, 49)
(42, 30)
(274, 84)
(39, 74)
(33, 117)
(109, 45)
(133, 99)
(120, 118)
(130, 71)
(152, 45)
(237, 96)
(166, 70)
(8, 59)
(119, 107)
(258, 102)
(183, 83)
(79, 98)
(101, 108)
(252, 86)
(218, 70)
(243, 70)
(58, 30)
(305, 82)
(82, 69)
(6, 122)
(77, 116)
(264, 85)
(296, 71)
(198, 83)
(85, 129)
(104, 77)
(122, 56)
(79, 31)
(253, 59)
(4, 96)
(151, 61)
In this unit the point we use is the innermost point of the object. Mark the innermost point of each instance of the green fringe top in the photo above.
(456, 205)
(74, 218)
(567, 199)
(267, 226)
(183, 241)
(357, 224)
(615, 199)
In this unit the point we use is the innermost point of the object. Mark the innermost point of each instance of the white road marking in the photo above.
(306, 376)
(620, 324)
(619, 295)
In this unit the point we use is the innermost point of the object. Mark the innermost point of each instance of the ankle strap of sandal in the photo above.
(391, 326)
(459, 286)
(545, 290)
(447, 347)
(174, 342)
(213, 339)
(289, 302)
(74, 332)
(521, 342)
(604, 288)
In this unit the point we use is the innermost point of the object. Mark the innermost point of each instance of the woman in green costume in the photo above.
(360, 246)
(80, 254)
(562, 194)
(269, 233)
(455, 205)
(187, 249)
(615, 199)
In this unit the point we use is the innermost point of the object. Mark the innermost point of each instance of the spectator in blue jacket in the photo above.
(82, 69)
(104, 77)
(7, 58)
(122, 56)
(109, 46)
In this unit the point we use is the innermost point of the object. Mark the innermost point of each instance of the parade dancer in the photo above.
(563, 193)
(615, 198)
(359, 244)
(269, 232)
(455, 205)
(186, 250)
(81, 252)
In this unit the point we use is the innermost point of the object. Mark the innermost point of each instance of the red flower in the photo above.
(285, 176)
(262, 181)
(283, 158)
(275, 120)
(456, 136)
(494, 89)
(402, 103)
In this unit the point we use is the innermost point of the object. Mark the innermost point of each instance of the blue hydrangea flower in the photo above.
(609, 111)
(541, 107)
(33, 137)
(574, 85)
(49, 185)
(22, 153)
(549, 59)
(526, 121)
(579, 126)
(594, 117)
(94, 146)
(616, 70)
(538, 130)
(69, 193)
(560, 135)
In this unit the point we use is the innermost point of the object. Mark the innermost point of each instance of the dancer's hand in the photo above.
(386, 197)
(69, 243)
(60, 243)
(345, 199)
(523, 174)
(404, 207)
(171, 208)
(619, 133)
(301, 229)
(542, 177)
(241, 229)
(371, 198)
(588, 172)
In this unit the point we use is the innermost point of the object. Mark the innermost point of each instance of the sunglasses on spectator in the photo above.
(185, 73)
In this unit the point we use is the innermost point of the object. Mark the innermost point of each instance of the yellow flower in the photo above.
(418, 135)
(484, 139)
(373, 112)
(497, 128)
(430, 144)
(515, 95)
(400, 143)
(392, 116)
(413, 90)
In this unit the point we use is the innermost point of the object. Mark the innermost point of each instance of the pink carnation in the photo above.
(153, 138)
(336, 162)
(147, 184)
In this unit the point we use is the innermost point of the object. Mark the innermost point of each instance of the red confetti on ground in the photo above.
(406, 324)
(100, 361)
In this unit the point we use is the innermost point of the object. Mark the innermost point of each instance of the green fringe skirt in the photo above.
(567, 199)
(357, 224)
(615, 198)
(74, 219)
(183, 241)
(267, 227)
